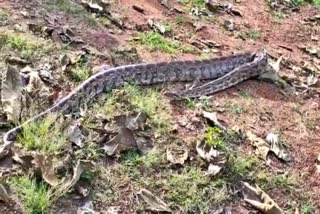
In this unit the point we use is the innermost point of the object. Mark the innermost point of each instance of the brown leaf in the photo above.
(177, 155)
(277, 147)
(11, 94)
(262, 147)
(212, 116)
(122, 141)
(155, 203)
(47, 169)
(259, 199)
(4, 195)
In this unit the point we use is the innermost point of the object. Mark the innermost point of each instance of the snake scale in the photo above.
(223, 72)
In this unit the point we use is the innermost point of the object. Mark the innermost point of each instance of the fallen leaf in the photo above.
(86, 208)
(177, 155)
(133, 121)
(155, 203)
(262, 147)
(213, 170)
(318, 164)
(66, 184)
(212, 116)
(47, 169)
(277, 147)
(74, 134)
(4, 195)
(122, 141)
(207, 152)
(36, 87)
(11, 94)
(259, 199)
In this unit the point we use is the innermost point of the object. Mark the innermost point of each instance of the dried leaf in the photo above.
(47, 169)
(318, 165)
(207, 152)
(133, 121)
(177, 155)
(277, 147)
(212, 116)
(122, 141)
(213, 170)
(36, 86)
(4, 195)
(155, 203)
(74, 134)
(86, 208)
(259, 199)
(11, 94)
(67, 184)
(262, 147)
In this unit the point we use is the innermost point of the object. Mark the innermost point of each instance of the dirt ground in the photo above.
(264, 108)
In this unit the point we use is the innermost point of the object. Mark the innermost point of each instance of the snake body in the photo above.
(223, 72)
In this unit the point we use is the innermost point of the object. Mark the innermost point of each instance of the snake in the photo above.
(220, 73)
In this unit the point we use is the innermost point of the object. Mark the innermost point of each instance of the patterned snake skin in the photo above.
(224, 73)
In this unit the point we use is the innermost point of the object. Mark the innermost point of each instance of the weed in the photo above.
(44, 136)
(80, 73)
(204, 100)
(193, 192)
(307, 209)
(179, 20)
(35, 197)
(4, 17)
(191, 104)
(268, 181)
(242, 166)
(193, 3)
(235, 108)
(73, 9)
(251, 34)
(155, 41)
(213, 137)
(26, 46)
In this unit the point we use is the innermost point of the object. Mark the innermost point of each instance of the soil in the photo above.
(266, 110)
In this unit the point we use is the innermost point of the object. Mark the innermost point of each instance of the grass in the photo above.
(242, 166)
(235, 108)
(193, 3)
(35, 197)
(80, 73)
(72, 8)
(192, 192)
(156, 42)
(43, 136)
(148, 101)
(251, 34)
(26, 46)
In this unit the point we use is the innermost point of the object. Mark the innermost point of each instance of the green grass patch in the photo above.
(80, 73)
(148, 101)
(193, 3)
(43, 136)
(235, 108)
(251, 34)
(72, 8)
(192, 192)
(35, 197)
(156, 42)
(268, 181)
(26, 46)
